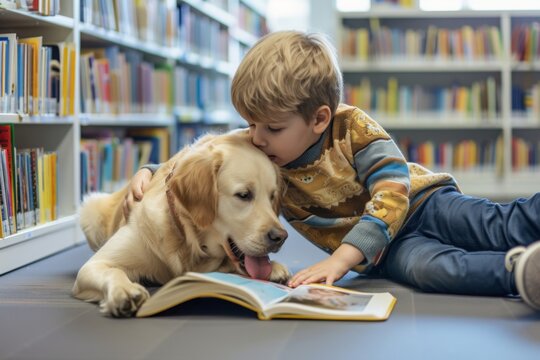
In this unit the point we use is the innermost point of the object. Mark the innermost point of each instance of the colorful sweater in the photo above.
(354, 186)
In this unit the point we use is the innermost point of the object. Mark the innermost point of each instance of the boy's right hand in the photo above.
(136, 189)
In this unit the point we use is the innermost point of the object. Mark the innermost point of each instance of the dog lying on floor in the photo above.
(212, 207)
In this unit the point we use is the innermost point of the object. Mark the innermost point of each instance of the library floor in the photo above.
(39, 320)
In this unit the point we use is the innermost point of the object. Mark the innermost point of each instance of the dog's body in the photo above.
(212, 207)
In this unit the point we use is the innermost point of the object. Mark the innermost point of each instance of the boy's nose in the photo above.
(257, 139)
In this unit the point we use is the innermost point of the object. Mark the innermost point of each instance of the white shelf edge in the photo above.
(38, 230)
(35, 243)
(191, 115)
(523, 120)
(257, 6)
(420, 65)
(129, 41)
(188, 114)
(433, 120)
(525, 65)
(136, 119)
(243, 36)
(57, 20)
(12, 118)
(417, 13)
(212, 11)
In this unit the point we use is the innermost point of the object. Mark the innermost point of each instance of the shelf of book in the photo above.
(459, 77)
(124, 84)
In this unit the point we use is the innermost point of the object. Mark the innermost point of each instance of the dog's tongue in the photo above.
(258, 267)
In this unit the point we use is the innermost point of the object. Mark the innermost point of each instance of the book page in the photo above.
(317, 301)
(265, 292)
(328, 298)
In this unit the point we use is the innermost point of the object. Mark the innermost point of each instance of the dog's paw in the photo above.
(280, 273)
(124, 301)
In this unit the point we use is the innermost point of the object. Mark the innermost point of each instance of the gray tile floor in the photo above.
(39, 320)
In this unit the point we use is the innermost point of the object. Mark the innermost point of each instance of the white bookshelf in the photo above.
(63, 134)
(501, 184)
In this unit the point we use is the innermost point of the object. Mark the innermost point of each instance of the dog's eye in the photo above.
(244, 195)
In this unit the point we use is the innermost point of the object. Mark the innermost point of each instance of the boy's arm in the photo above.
(137, 186)
(382, 169)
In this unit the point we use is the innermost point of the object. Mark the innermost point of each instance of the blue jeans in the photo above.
(456, 244)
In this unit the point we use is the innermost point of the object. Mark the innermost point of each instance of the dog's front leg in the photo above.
(103, 278)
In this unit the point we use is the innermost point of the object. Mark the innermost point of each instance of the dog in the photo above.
(213, 206)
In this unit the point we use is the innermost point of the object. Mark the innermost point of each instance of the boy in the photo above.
(351, 192)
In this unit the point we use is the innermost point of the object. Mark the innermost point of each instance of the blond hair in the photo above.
(287, 71)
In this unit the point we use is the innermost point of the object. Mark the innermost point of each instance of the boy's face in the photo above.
(285, 139)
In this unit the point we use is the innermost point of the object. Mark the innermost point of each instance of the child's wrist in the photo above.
(349, 255)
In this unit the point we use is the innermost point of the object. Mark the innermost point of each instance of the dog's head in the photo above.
(226, 183)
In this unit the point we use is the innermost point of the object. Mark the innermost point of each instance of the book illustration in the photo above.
(328, 298)
(267, 292)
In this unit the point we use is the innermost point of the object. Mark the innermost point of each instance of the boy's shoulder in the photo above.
(348, 115)
(345, 111)
(357, 123)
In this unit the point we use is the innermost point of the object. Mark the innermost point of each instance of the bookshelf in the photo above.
(456, 89)
(185, 53)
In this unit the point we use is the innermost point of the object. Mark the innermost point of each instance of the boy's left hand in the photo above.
(331, 269)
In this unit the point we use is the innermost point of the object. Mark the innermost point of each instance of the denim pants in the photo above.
(456, 244)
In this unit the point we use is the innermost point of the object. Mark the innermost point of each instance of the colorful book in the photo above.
(9, 72)
(6, 143)
(34, 43)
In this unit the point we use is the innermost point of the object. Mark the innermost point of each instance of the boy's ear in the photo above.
(323, 115)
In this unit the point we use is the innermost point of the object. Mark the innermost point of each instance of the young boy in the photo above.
(351, 192)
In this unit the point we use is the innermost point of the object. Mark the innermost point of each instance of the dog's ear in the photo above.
(195, 185)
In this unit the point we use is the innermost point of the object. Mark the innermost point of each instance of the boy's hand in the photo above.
(330, 269)
(136, 189)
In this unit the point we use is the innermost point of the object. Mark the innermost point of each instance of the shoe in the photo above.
(525, 263)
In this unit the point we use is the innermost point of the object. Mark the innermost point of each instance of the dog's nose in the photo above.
(277, 235)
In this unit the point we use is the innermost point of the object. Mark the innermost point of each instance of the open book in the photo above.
(270, 300)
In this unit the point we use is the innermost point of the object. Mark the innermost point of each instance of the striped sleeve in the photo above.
(381, 169)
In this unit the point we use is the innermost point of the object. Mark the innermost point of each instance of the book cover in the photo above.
(35, 44)
(4, 195)
(34, 184)
(10, 70)
(6, 142)
(270, 300)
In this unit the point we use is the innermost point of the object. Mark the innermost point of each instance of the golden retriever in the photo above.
(212, 207)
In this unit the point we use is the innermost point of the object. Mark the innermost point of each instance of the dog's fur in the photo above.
(221, 188)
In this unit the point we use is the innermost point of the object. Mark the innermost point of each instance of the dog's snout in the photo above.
(277, 235)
